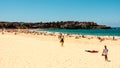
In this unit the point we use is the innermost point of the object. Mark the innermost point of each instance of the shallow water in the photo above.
(96, 32)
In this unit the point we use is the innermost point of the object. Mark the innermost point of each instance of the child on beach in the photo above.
(105, 53)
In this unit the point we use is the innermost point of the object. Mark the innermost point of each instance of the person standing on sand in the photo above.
(2, 30)
(59, 36)
(62, 40)
(105, 53)
(113, 38)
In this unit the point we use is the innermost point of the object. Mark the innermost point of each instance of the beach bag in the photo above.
(103, 54)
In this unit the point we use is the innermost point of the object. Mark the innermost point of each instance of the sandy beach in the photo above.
(40, 50)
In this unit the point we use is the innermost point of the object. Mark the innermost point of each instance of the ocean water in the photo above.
(95, 32)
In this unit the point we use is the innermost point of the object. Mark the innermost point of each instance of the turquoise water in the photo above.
(96, 32)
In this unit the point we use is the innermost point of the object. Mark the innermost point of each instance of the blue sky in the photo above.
(105, 12)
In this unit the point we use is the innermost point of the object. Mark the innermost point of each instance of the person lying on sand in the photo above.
(92, 51)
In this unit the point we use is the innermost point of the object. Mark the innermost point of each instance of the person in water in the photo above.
(105, 53)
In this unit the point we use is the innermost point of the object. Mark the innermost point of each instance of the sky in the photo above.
(103, 12)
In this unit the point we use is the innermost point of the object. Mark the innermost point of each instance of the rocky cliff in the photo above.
(54, 25)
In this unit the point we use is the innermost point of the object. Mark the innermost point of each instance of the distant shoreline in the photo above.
(65, 33)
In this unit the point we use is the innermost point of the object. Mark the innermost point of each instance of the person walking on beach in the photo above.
(2, 30)
(59, 36)
(62, 40)
(113, 38)
(105, 53)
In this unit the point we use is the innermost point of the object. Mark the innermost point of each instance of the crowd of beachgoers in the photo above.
(35, 32)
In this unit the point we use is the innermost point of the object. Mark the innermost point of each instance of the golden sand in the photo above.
(25, 50)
